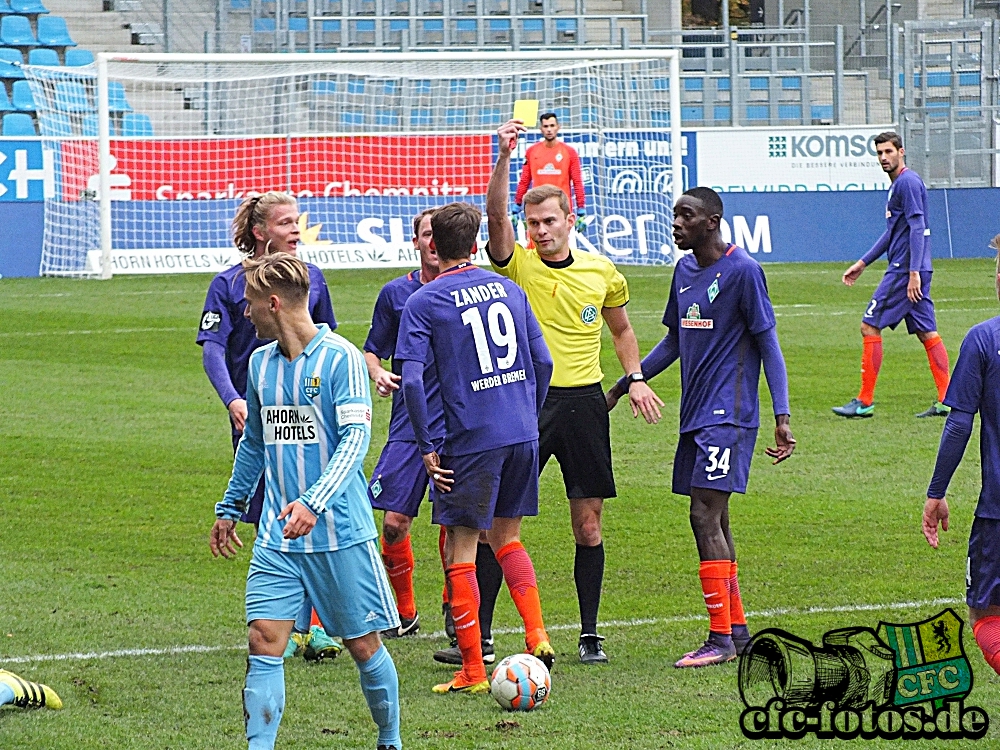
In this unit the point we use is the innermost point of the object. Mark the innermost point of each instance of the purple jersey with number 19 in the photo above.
(472, 327)
(716, 312)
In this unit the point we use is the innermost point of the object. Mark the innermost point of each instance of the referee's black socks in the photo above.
(489, 575)
(588, 572)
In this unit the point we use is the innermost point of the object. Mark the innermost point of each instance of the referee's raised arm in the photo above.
(501, 231)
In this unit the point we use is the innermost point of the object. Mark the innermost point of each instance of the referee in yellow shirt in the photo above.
(572, 295)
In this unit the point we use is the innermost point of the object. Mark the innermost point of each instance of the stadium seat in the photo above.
(55, 124)
(561, 85)
(325, 87)
(566, 31)
(968, 107)
(22, 98)
(724, 84)
(71, 96)
(355, 85)
(5, 7)
(136, 125)
(5, 105)
(422, 87)
(528, 86)
(458, 85)
(821, 112)
(117, 100)
(18, 124)
(396, 28)
(660, 118)
(790, 112)
(362, 32)
(421, 117)
(28, 6)
(466, 31)
(694, 84)
(588, 115)
(758, 112)
(456, 117)
(43, 57)
(264, 25)
(758, 83)
(689, 113)
(90, 125)
(296, 23)
(52, 32)
(722, 112)
(430, 31)
(562, 114)
(532, 31)
(493, 85)
(388, 118)
(791, 83)
(76, 58)
(390, 86)
(968, 79)
(939, 79)
(661, 84)
(10, 63)
(490, 117)
(239, 4)
(15, 31)
(352, 117)
(499, 31)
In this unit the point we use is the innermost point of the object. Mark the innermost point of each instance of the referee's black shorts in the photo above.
(574, 427)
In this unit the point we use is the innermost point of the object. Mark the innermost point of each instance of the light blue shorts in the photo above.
(348, 588)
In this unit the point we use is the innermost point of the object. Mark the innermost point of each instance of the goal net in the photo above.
(365, 141)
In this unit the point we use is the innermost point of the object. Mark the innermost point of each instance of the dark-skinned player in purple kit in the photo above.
(721, 326)
(476, 331)
(973, 388)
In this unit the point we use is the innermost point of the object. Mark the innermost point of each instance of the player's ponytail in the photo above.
(254, 212)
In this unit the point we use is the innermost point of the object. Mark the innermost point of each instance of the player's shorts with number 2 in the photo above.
(716, 457)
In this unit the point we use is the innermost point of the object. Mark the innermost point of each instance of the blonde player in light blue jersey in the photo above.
(308, 427)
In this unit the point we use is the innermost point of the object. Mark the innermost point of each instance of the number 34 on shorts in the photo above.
(715, 457)
(718, 462)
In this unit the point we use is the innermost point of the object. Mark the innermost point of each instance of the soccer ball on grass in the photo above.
(520, 683)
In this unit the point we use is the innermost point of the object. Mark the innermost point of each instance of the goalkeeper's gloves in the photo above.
(515, 217)
(581, 222)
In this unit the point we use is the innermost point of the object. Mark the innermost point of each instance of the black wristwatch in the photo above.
(634, 377)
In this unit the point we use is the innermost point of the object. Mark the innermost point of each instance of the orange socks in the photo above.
(987, 632)
(714, 576)
(871, 361)
(314, 619)
(463, 592)
(398, 560)
(736, 614)
(937, 356)
(520, 576)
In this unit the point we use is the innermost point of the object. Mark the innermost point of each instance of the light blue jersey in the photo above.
(308, 426)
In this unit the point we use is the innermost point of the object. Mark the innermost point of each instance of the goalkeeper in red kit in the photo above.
(552, 162)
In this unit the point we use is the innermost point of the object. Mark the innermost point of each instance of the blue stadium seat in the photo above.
(968, 79)
(136, 125)
(937, 110)
(355, 85)
(566, 31)
(562, 114)
(758, 83)
(117, 100)
(791, 83)
(458, 85)
(76, 58)
(724, 84)
(939, 79)
(689, 113)
(43, 57)
(362, 32)
(532, 31)
(561, 85)
(52, 32)
(15, 31)
(390, 87)
(239, 4)
(493, 85)
(421, 117)
(588, 115)
(661, 84)
(466, 31)
(90, 125)
(491, 117)
(298, 24)
(324, 87)
(352, 117)
(28, 6)
(22, 98)
(5, 105)
(968, 107)
(10, 63)
(264, 25)
(660, 118)
(821, 111)
(499, 31)
(388, 118)
(430, 31)
(55, 123)
(456, 117)
(758, 112)
(422, 87)
(71, 96)
(529, 86)
(5, 7)
(18, 124)
(790, 112)
(722, 112)
(694, 84)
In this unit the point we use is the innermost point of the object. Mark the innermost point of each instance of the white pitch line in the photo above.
(97, 332)
(633, 623)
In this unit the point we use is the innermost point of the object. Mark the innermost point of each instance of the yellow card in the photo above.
(526, 110)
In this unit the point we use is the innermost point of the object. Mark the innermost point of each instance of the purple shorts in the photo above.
(257, 501)
(716, 457)
(890, 305)
(399, 479)
(982, 572)
(500, 483)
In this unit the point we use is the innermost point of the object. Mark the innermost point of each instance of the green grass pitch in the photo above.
(114, 448)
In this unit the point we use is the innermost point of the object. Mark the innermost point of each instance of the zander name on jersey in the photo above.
(493, 381)
(295, 425)
(478, 293)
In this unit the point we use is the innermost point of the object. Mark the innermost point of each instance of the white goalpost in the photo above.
(153, 152)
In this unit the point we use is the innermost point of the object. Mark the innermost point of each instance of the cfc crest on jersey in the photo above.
(311, 385)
